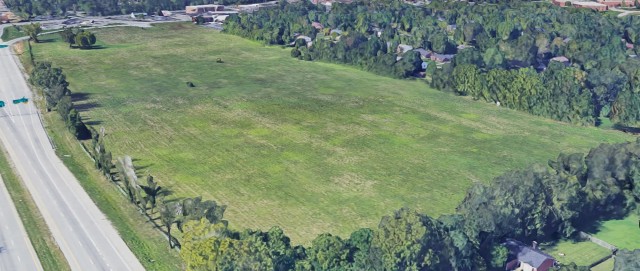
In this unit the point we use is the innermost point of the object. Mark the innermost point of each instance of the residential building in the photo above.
(617, 3)
(525, 258)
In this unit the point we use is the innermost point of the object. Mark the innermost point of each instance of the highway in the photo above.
(83, 233)
(16, 251)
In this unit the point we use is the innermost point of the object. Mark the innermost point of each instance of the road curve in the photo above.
(86, 238)
(16, 251)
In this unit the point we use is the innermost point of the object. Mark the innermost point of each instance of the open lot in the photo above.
(582, 253)
(311, 147)
(622, 233)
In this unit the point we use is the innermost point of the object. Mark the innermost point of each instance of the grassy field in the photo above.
(605, 266)
(581, 253)
(49, 254)
(11, 32)
(311, 147)
(623, 233)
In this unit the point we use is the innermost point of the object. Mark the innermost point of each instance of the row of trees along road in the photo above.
(508, 44)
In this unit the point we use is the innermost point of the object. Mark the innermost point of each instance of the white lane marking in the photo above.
(18, 257)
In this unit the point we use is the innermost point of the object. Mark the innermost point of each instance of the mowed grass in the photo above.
(622, 233)
(582, 253)
(308, 146)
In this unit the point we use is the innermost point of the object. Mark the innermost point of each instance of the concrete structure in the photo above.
(582, 4)
(441, 58)
(523, 257)
(590, 5)
(195, 10)
(617, 3)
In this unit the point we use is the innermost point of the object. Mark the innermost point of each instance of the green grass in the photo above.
(622, 233)
(48, 252)
(582, 253)
(11, 32)
(605, 266)
(147, 244)
(308, 146)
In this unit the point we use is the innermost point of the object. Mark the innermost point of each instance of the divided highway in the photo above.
(16, 251)
(85, 236)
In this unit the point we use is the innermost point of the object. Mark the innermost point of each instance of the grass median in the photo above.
(49, 253)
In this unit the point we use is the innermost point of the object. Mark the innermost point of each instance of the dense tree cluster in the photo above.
(543, 203)
(110, 7)
(627, 260)
(567, 64)
(54, 87)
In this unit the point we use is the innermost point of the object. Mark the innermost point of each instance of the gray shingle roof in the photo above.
(526, 254)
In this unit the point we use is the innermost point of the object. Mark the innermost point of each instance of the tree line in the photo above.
(503, 52)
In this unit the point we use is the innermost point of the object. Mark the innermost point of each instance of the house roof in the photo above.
(405, 48)
(560, 59)
(526, 254)
(423, 52)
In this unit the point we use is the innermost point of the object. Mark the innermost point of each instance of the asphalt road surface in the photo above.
(85, 236)
(16, 252)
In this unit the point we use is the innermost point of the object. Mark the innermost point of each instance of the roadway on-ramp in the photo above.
(83, 233)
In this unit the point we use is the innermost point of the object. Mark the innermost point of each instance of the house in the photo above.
(629, 45)
(523, 257)
(583, 4)
(562, 59)
(199, 9)
(317, 25)
(441, 58)
(403, 48)
(423, 53)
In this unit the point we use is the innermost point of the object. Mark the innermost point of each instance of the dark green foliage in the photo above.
(32, 30)
(541, 203)
(85, 39)
(52, 81)
(68, 36)
(626, 260)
